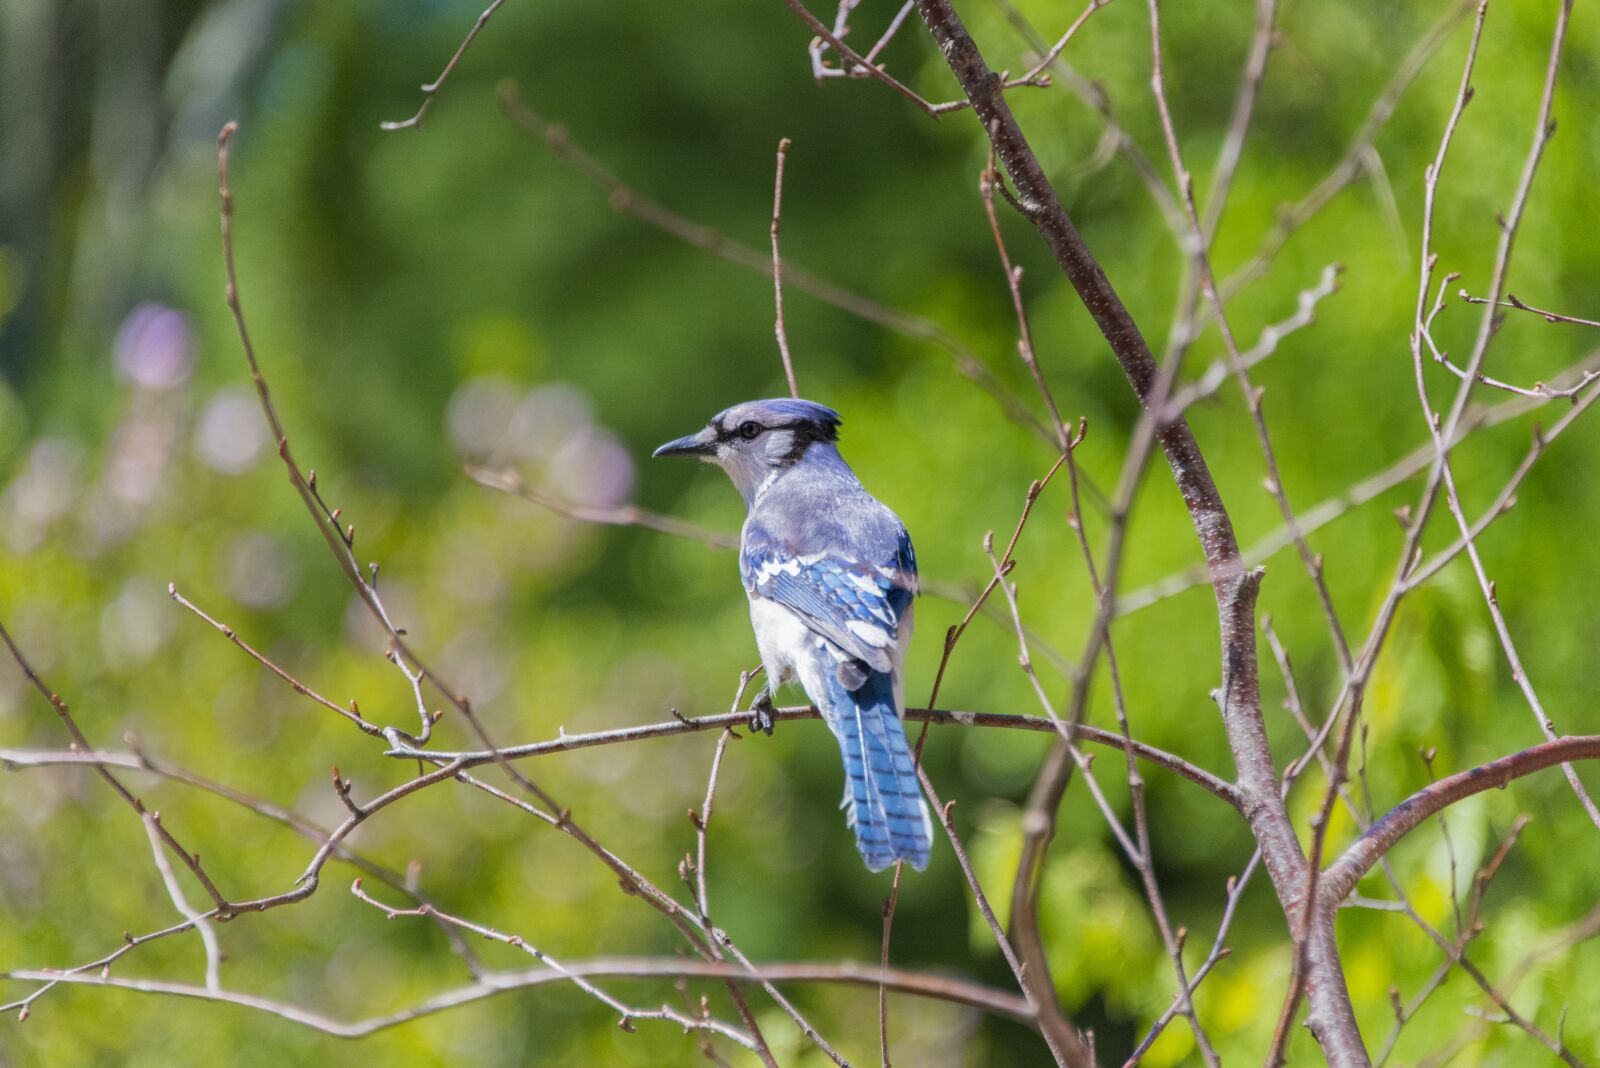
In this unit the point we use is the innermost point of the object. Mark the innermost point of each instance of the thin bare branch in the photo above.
(1442, 428)
(889, 33)
(1468, 927)
(294, 684)
(1413, 463)
(1511, 301)
(1332, 1022)
(624, 198)
(939, 716)
(1115, 139)
(1291, 217)
(986, 187)
(1557, 945)
(1216, 375)
(1244, 104)
(430, 90)
(1235, 588)
(140, 760)
(304, 887)
(493, 984)
(626, 1013)
(1048, 60)
(1051, 1018)
(81, 743)
(702, 896)
(1062, 1054)
(1538, 389)
(624, 515)
(1506, 498)
(777, 270)
(206, 929)
(340, 542)
(1236, 887)
(850, 55)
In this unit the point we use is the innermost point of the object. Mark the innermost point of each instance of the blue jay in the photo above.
(830, 575)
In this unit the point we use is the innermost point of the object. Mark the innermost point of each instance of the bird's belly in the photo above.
(782, 639)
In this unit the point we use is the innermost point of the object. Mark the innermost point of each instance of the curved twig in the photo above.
(987, 999)
(430, 90)
(1341, 877)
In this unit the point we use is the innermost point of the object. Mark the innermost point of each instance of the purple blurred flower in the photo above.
(545, 418)
(155, 348)
(592, 466)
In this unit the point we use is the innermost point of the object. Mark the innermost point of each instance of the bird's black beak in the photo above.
(701, 444)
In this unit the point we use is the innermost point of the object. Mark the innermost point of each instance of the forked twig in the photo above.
(626, 1013)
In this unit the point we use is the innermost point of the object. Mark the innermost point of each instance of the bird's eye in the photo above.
(749, 430)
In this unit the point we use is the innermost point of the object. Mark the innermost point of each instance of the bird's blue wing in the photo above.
(851, 599)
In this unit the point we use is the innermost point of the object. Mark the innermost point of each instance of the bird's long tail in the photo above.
(882, 798)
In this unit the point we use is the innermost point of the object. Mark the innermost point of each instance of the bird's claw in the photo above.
(762, 713)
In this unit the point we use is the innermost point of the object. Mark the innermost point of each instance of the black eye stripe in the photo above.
(725, 434)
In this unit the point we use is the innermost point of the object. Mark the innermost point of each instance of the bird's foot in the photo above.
(763, 713)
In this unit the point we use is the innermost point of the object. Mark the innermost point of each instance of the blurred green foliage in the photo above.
(423, 297)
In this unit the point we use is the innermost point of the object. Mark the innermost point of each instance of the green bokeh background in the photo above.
(406, 289)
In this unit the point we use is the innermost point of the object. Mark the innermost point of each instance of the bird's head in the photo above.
(757, 439)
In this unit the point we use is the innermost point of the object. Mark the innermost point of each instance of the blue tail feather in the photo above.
(883, 799)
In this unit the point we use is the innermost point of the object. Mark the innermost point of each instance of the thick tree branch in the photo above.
(1234, 587)
(1341, 877)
